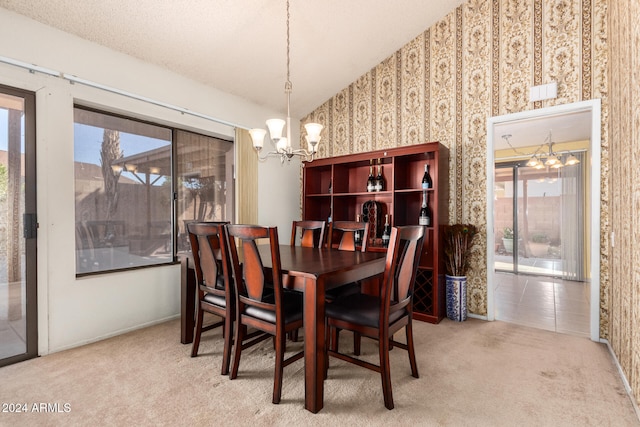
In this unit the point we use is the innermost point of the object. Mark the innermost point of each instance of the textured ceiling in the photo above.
(239, 46)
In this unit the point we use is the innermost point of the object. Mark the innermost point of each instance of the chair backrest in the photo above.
(249, 276)
(210, 257)
(403, 256)
(345, 231)
(311, 233)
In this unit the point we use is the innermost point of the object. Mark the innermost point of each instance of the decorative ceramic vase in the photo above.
(456, 287)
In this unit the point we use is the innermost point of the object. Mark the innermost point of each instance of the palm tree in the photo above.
(109, 152)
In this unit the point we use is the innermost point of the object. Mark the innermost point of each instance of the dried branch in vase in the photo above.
(458, 241)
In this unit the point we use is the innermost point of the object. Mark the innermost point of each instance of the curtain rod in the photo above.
(74, 79)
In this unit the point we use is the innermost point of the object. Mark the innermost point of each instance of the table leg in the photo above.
(314, 342)
(187, 301)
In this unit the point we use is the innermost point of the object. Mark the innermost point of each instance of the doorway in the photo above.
(541, 258)
(18, 227)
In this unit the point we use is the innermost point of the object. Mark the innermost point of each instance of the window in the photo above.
(124, 189)
(205, 181)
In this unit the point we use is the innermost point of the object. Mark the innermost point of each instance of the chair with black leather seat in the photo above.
(311, 233)
(379, 317)
(261, 301)
(214, 287)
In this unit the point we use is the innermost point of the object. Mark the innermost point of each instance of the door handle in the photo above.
(30, 224)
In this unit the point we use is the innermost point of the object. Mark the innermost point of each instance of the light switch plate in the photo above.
(542, 92)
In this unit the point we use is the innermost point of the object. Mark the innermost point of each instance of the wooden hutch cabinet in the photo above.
(335, 189)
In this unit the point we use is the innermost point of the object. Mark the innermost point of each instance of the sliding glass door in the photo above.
(18, 314)
(528, 219)
(539, 220)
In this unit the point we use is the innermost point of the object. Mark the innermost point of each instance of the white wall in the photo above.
(75, 311)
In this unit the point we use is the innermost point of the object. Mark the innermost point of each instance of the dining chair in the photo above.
(342, 235)
(213, 279)
(261, 301)
(379, 317)
(311, 233)
(343, 232)
(311, 236)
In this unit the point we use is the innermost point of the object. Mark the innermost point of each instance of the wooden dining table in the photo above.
(312, 272)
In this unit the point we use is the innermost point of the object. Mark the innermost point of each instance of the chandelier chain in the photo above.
(288, 85)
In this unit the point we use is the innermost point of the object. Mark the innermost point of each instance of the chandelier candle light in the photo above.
(282, 143)
(550, 159)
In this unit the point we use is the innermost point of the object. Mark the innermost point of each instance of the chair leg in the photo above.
(357, 339)
(280, 340)
(237, 349)
(228, 340)
(198, 331)
(411, 350)
(385, 373)
(293, 335)
(335, 336)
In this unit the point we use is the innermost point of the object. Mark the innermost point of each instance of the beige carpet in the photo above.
(473, 373)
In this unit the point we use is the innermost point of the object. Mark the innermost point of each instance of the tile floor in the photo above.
(12, 332)
(543, 302)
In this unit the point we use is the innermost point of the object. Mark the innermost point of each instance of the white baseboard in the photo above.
(625, 382)
(477, 316)
(113, 334)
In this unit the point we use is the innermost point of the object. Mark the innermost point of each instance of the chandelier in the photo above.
(551, 159)
(282, 143)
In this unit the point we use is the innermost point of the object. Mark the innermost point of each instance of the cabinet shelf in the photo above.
(365, 193)
(414, 190)
(402, 169)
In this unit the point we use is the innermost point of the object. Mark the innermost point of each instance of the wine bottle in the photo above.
(379, 178)
(357, 235)
(426, 178)
(386, 231)
(425, 212)
(371, 181)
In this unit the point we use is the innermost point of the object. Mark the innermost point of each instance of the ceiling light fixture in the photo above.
(550, 159)
(282, 143)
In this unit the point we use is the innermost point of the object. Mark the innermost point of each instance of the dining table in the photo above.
(311, 271)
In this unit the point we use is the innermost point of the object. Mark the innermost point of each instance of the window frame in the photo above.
(174, 226)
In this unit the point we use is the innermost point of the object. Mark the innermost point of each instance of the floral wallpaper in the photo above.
(479, 61)
(622, 296)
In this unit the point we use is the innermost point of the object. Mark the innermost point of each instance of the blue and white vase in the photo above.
(456, 287)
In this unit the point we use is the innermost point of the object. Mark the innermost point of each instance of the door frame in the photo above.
(594, 107)
(31, 280)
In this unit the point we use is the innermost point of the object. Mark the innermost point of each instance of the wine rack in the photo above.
(336, 188)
